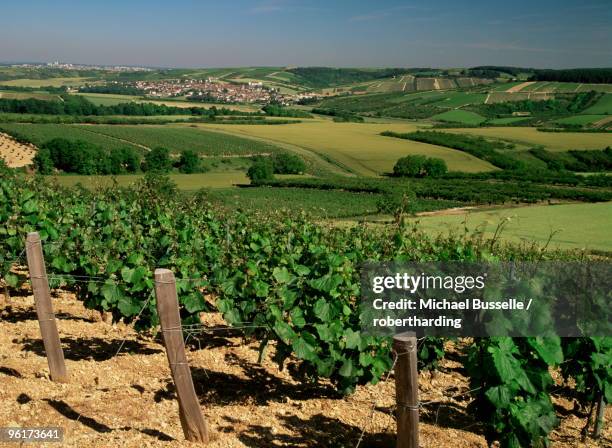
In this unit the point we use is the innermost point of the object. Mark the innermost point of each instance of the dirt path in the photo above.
(520, 87)
(128, 400)
(15, 154)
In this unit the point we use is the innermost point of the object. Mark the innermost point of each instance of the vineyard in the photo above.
(289, 285)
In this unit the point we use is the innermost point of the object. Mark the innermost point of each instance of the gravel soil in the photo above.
(128, 400)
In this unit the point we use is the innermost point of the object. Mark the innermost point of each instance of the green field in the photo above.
(580, 119)
(460, 116)
(603, 106)
(318, 203)
(40, 133)
(553, 141)
(177, 139)
(145, 137)
(358, 147)
(578, 225)
(189, 182)
(507, 120)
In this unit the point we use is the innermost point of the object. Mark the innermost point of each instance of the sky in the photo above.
(338, 33)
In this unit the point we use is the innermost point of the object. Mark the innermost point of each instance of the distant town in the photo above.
(210, 90)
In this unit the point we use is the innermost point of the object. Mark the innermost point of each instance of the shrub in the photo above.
(435, 167)
(43, 162)
(158, 160)
(409, 166)
(285, 163)
(262, 169)
(189, 162)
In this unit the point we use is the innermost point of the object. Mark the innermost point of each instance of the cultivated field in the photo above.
(554, 141)
(15, 154)
(54, 82)
(356, 146)
(582, 226)
(460, 116)
(188, 182)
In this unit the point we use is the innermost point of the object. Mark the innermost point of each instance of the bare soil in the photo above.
(15, 154)
(128, 400)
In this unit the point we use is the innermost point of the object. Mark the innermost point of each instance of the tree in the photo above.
(262, 169)
(189, 162)
(285, 163)
(130, 159)
(158, 160)
(43, 162)
(409, 166)
(435, 167)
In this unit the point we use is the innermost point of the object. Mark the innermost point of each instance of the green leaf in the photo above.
(297, 317)
(111, 293)
(303, 349)
(194, 302)
(281, 275)
(348, 368)
(322, 310)
(11, 279)
(353, 339)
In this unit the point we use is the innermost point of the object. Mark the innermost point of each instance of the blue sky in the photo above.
(184, 33)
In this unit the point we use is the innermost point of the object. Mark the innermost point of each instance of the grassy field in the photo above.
(460, 116)
(507, 120)
(580, 119)
(603, 106)
(577, 225)
(357, 146)
(554, 141)
(189, 182)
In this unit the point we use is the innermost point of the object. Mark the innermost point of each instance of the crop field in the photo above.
(458, 99)
(502, 97)
(602, 106)
(317, 203)
(564, 87)
(54, 82)
(356, 146)
(40, 133)
(177, 139)
(7, 95)
(188, 182)
(460, 116)
(576, 225)
(553, 141)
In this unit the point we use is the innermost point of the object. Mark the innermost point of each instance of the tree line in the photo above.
(78, 105)
(82, 157)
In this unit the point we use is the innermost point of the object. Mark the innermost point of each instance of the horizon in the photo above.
(280, 33)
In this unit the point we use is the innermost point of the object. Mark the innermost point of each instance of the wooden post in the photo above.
(44, 309)
(406, 390)
(599, 419)
(192, 421)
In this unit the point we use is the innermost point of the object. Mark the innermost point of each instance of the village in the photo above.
(212, 90)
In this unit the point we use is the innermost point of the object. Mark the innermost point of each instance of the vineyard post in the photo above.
(406, 390)
(44, 309)
(192, 421)
(599, 419)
